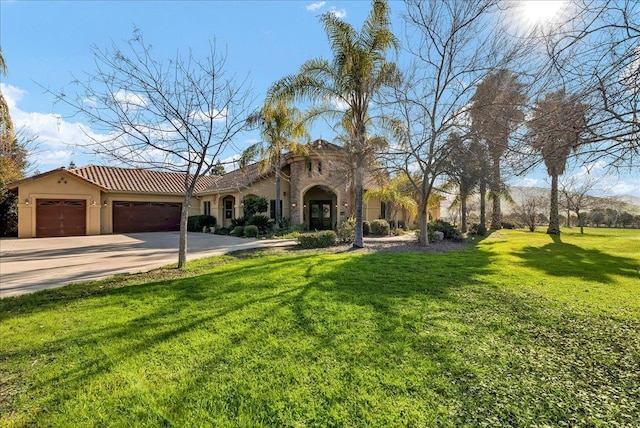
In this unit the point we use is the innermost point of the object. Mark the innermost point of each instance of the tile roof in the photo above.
(238, 179)
(139, 180)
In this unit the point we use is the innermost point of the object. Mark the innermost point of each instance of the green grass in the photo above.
(519, 329)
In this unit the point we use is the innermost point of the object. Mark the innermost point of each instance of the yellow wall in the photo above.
(265, 188)
(56, 186)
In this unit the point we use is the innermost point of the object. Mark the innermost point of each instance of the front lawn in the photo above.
(520, 329)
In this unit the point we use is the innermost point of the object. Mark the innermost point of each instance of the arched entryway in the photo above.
(227, 208)
(320, 208)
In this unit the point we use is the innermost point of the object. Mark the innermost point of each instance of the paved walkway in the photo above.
(28, 265)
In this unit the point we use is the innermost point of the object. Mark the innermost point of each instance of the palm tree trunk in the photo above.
(483, 205)
(554, 218)
(278, 214)
(496, 215)
(358, 241)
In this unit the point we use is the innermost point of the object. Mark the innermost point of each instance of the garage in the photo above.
(61, 217)
(134, 217)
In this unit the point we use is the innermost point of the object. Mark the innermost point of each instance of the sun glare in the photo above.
(541, 11)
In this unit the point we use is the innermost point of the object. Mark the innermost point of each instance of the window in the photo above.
(272, 208)
(319, 167)
(383, 210)
(228, 209)
(207, 207)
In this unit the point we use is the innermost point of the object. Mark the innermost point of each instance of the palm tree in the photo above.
(464, 170)
(280, 126)
(555, 130)
(6, 124)
(495, 112)
(358, 71)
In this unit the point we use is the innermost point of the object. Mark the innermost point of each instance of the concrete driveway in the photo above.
(28, 265)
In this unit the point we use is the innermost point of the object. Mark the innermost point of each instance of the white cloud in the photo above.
(315, 6)
(338, 103)
(338, 13)
(56, 138)
(129, 100)
(216, 115)
(528, 182)
(231, 163)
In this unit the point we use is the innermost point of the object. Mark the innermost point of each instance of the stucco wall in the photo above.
(107, 199)
(56, 186)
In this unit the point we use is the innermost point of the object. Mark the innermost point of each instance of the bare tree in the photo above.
(529, 209)
(434, 95)
(574, 191)
(175, 115)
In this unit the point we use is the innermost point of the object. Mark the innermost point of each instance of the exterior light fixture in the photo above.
(26, 201)
(293, 205)
(105, 203)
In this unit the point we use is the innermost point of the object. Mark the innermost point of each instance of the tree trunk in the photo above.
(278, 214)
(358, 241)
(580, 221)
(423, 221)
(463, 213)
(496, 214)
(554, 218)
(184, 216)
(483, 205)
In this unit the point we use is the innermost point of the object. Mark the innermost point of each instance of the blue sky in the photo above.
(45, 42)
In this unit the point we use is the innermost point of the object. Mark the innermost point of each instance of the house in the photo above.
(95, 200)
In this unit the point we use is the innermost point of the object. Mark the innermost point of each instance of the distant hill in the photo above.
(627, 203)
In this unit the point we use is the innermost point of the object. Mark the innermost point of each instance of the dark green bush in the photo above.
(380, 227)
(222, 231)
(450, 231)
(366, 228)
(238, 231)
(251, 231)
(195, 223)
(323, 239)
(263, 223)
(253, 206)
(238, 221)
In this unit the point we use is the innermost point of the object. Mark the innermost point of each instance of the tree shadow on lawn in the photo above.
(377, 309)
(561, 259)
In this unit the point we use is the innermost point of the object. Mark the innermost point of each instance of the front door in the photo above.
(320, 218)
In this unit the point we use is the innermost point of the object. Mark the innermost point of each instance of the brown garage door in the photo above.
(61, 217)
(132, 217)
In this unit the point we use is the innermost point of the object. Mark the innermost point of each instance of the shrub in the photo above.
(323, 239)
(251, 231)
(207, 221)
(366, 228)
(195, 223)
(238, 231)
(510, 225)
(478, 229)
(380, 227)
(253, 206)
(450, 232)
(222, 231)
(346, 231)
(262, 222)
(284, 223)
(239, 221)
